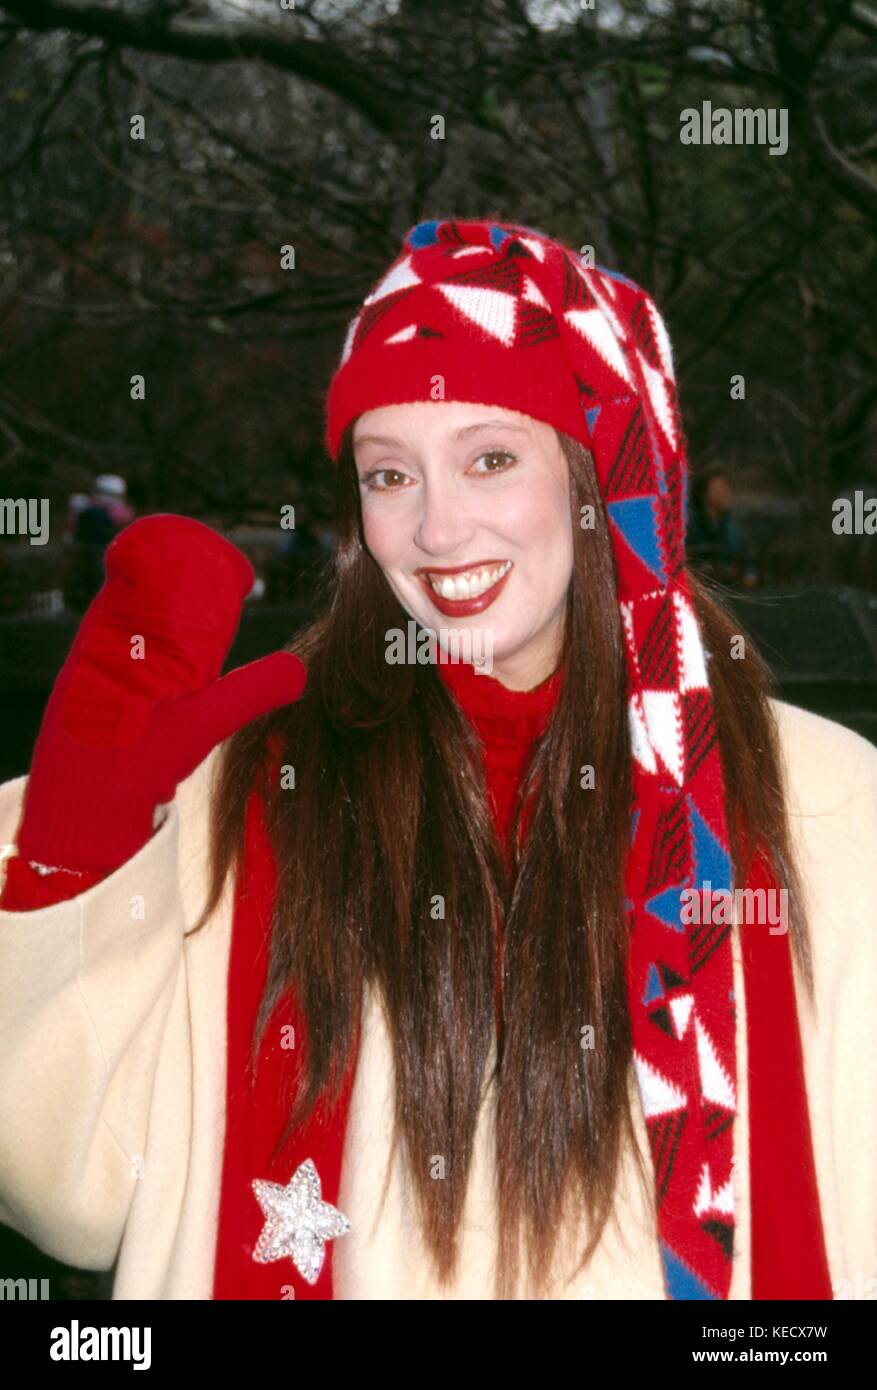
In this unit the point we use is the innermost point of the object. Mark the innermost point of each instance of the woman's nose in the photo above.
(443, 524)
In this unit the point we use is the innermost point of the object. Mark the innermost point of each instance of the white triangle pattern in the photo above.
(598, 291)
(404, 334)
(720, 1199)
(534, 245)
(592, 324)
(398, 277)
(607, 285)
(692, 660)
(659, 1096)
(533, 294)
(680, 1008)
(715, 1083)
(348, 341)
(639, 739)
(492, 310)
(664, 724)
(657, 389)
(665, 350)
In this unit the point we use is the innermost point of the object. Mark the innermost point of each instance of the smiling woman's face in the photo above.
(466, 509)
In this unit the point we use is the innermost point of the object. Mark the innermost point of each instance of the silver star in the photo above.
(298, 1221)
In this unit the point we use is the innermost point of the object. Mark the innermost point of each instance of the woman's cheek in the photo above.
(529, 513)
(378, 535)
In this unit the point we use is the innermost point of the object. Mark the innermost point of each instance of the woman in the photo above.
(476, 1019)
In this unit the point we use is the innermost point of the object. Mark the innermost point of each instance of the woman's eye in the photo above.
(497, 454)
(369, 480)
(395, 481)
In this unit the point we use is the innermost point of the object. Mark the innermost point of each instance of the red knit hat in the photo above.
(503, 315)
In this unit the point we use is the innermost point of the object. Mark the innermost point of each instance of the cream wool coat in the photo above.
(113, 1070)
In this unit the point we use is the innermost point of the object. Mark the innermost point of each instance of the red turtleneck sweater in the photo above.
(788, 1258)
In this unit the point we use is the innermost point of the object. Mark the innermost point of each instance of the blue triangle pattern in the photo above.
(592, 416)
(680, 1280)
(667, 908)
(424, 234)
(635, 519)
(654, 988)
(711, 864)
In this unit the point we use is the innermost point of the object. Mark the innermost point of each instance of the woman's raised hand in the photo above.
(138, 703)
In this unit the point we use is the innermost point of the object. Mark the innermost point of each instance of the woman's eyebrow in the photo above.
(489, 425)
(389, 441)
(378, 439)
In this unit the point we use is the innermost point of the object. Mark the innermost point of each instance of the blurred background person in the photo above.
(93, 527)
(714, 540)
(77, 503)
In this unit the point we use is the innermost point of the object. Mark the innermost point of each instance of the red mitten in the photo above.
(137, 704)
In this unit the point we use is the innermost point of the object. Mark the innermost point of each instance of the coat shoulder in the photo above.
(823, 759)
(830, 782)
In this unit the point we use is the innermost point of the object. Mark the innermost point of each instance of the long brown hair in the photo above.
(390, 809)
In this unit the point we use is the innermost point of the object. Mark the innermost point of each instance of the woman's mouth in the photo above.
(462, 591)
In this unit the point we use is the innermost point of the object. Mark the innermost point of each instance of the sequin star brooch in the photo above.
(298, 1222)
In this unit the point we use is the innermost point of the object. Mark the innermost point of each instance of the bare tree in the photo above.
(331, 128)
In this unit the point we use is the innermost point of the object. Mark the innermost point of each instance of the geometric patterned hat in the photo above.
(508, 316)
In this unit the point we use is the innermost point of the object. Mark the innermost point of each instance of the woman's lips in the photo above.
(463, 607)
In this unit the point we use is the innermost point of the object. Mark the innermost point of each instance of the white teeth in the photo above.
(470, 584)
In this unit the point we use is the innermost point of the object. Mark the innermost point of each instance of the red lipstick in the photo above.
(462, 607)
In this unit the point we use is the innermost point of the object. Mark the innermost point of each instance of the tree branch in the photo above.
(200, 40)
